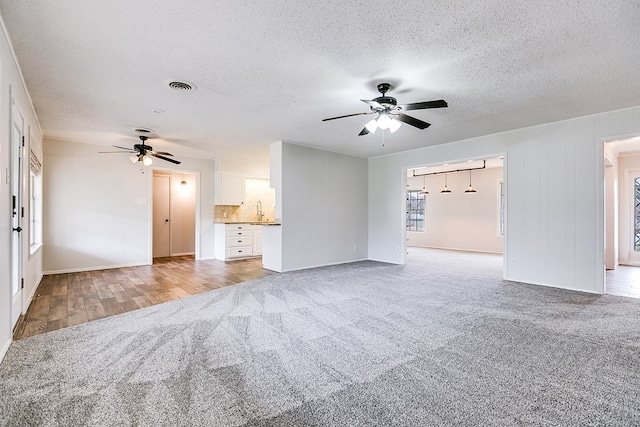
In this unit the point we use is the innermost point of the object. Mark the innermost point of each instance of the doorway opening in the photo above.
(174, 200)
(457, 207)
(622, 216)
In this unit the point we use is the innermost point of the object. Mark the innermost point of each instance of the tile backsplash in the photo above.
(255, 190)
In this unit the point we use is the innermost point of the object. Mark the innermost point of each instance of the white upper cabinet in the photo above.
(229, 189)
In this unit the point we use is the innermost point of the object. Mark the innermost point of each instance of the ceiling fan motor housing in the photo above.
(387, 101)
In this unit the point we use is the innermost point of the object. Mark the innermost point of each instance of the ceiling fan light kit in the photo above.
(389, 113)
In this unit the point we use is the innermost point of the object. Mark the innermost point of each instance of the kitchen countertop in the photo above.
(248, 222)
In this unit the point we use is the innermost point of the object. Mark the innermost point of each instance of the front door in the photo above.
(17, 212)
(633, 180)
(161, 216)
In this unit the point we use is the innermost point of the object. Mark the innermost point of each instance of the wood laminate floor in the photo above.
(69, 299)
(624, 281)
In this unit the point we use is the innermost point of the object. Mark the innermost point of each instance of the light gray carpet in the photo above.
(440, 341)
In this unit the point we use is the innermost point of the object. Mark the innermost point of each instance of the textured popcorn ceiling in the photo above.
(272, 70)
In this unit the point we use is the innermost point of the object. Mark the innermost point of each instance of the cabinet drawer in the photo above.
(237, 233)
(238, 251)
(239, 241)
(238, 227)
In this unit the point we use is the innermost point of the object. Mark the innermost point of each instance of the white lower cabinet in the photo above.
(234, 241)
(257, 240)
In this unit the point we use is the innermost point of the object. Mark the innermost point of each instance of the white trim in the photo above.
(456, 249)
(316, 266)
(547, 285)
(101, 267)
(33, 249)
(184, 254)
(3, 350)
(28, 301)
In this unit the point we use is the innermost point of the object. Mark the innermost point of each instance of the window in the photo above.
(501, 208)
(415, 210)
(35, 203)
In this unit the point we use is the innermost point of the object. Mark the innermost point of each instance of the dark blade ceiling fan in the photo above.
(389, 112)
(143, 153)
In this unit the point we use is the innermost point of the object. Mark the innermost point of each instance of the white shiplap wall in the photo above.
(323, 203)
(555, 197)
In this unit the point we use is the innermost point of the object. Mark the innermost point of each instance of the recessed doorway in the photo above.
(174, 213)
(457, 207)
(622, 216)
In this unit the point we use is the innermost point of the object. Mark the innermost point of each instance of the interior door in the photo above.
(161, 216)
(17, 147)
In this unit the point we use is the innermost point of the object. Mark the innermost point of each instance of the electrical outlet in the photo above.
(512, 261)
(355, 248)
(397, 248)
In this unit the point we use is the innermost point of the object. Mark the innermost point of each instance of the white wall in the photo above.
(97, 208)
(323, 202)
(11, 86)
(459, 220)
(554, 176)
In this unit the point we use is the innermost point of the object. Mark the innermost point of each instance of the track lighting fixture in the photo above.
(445, 189)
(424, 186)
(470, 189)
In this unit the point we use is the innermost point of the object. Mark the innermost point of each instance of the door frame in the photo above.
(154, 168)
(600, 158)
(505, 167)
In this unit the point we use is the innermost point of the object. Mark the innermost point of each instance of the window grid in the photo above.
(415, 210)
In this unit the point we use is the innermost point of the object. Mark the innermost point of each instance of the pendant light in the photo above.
(445, 189)
(424, 186)
(470, 189)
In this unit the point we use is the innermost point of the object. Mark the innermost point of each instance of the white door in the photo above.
(633, 221)
(161, 216)
(17, 212)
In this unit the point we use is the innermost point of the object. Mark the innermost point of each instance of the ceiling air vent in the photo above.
(182, 86)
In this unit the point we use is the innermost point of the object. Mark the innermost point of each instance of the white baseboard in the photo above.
(455, 249)
(4, 349)
(324, 265)
(33, 292)
(98, 267)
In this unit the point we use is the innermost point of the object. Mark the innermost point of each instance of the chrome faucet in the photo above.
(259, 209)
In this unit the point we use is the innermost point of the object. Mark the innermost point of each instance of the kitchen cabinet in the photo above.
(257, 240)
(229, 189)
(236, 241)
